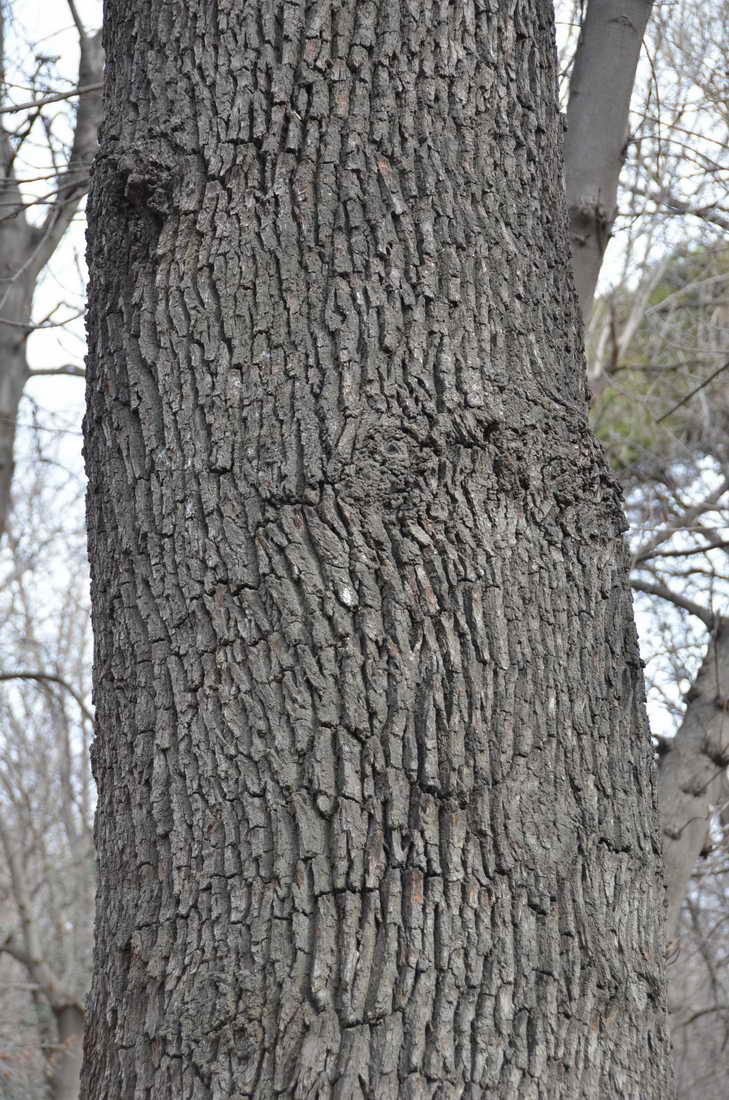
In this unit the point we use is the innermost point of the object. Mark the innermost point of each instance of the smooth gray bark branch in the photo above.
(597, 129)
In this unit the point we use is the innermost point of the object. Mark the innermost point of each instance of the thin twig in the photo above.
(69, 369)
(37, 427)
(76, 18)
(693, 392)
(46, 677)
(34, 103)
(682, 523)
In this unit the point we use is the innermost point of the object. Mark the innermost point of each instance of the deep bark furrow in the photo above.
(370, 708)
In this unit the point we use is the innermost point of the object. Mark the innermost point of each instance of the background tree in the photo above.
(662, 350)
(364, 828)
(700, 997)
(28, 112)
(46, 873)
(601, 84)
(659, 345)
(46, 800)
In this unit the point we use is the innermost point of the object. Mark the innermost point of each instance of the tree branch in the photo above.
(10, 189)
(718, 544)
(55, 98)
(46, 677)
(76, 18)
(674, 205)
(663, 592)
(597, 120)
(703, 1012)
(72, 184)
(685, 519)
(41, 973)
(693, 392)
(69, 369)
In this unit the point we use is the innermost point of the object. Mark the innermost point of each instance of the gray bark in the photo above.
(16, 300)
(66, 1073)
(376, 811)
(691, 775)
(597, 129)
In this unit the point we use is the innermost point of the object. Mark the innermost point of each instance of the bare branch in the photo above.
(76, 18)
(703, 1012)
(718, 544)
(694, 391)
(41, 973)
(56, 98)
(674, 205)
(41, 325)
(69, 369)
(597, 118)
(73, 183)
(37, 427)
(681, 522)
(45, 677)
(663, 592)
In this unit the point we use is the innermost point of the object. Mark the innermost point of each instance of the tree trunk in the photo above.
(376, 809)
(66, 1069)
(16, 298)
(601, 86)
(691, 775)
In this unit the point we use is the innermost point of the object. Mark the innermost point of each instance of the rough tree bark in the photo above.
(602, 82)
(376, 810)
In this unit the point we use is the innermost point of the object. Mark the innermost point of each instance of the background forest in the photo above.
(658, 361)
